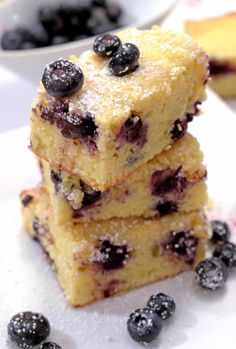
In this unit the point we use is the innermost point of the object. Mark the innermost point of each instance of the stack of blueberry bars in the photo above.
(122, 197)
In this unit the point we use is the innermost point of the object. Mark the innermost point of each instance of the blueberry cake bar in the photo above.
(217, 36)
(100, 118)
(173, 181)
(101, 259)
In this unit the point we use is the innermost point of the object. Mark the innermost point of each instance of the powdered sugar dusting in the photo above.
(164, 56)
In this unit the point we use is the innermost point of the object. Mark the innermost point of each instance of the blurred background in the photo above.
(34, 33)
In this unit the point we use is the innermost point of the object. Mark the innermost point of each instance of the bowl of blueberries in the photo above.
(34, 33)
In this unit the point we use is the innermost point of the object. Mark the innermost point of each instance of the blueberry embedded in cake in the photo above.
(182, 244)
(71, 124)
(110, 256)
(26, 199)
(110, 112)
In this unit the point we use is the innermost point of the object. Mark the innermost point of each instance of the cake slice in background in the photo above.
(217, 36)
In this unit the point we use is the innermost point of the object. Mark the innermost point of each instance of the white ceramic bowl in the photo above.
(30, 63)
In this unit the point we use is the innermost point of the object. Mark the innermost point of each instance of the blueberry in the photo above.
(39, 36)
(62, 78)
(182, 244)
(90, 195)
(50, 345)
(83, 11)
(163, 305)
(26, 200)
(220, 231)
(179, 129)
(226, 251)
(99, 3)
(112, 256)
(125, 60)
(56, 179)
(166, 207)
(168, 181)
(28, 45)
(132, 129)
(59, 40)
(144, 325)
(75, 124)
(196, 111)
(28, 329)
(79, 125)
(57, 110)
(16, 39)
(12, 40)
(113, 12)
(211, 273)
(106, 45)
(71, 22)
(66, 12)
(49, 19)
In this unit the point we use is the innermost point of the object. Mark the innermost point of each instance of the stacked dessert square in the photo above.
(122, 198)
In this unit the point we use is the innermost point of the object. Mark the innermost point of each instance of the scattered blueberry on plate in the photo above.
(144, 325)
(220, 231)
(162, 304)
(28, 329)
(226, 252)
(211, 273)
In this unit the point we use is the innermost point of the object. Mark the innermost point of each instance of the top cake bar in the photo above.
(116, 123)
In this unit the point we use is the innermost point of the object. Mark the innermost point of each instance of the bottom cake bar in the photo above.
(100, 259)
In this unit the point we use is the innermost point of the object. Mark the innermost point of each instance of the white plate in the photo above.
(202, 320)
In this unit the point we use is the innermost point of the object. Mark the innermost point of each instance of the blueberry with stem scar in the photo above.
(62, 78)
(106, 45)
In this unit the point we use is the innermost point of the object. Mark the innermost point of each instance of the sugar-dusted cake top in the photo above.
(216, 35)
(164, 59)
